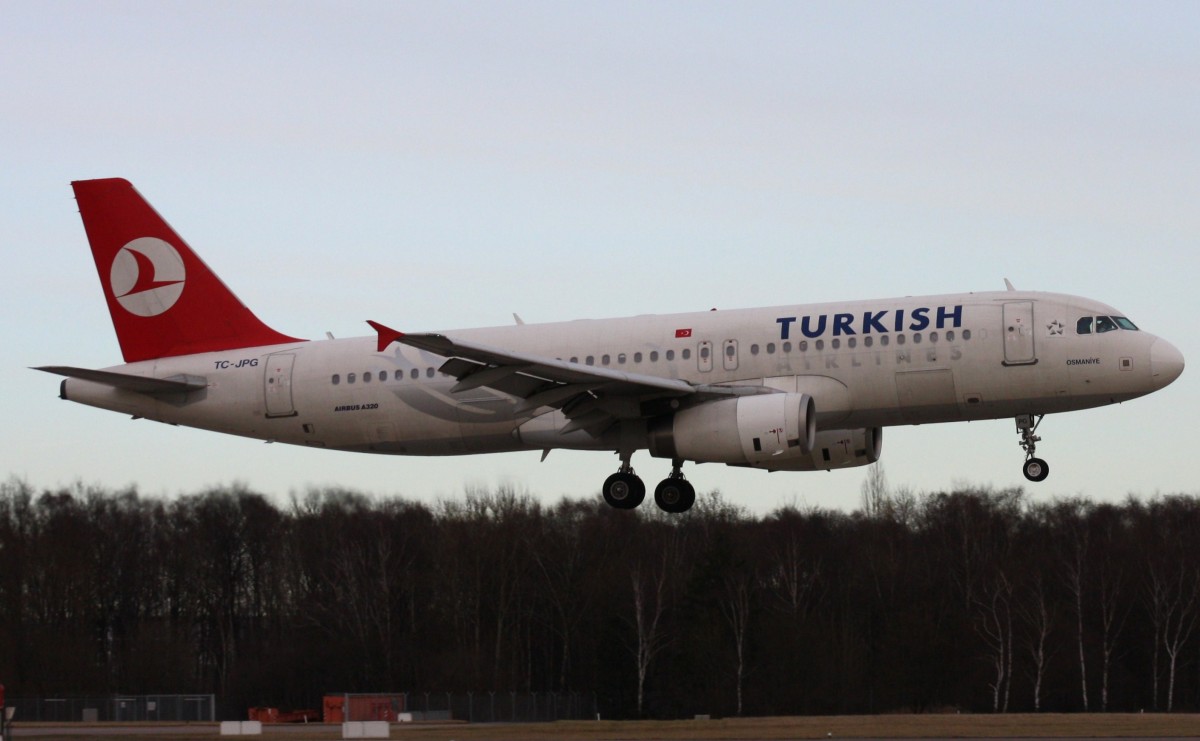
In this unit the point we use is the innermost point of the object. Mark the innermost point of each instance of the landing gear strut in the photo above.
(674, 494)
(624, 489)
(1035, 469)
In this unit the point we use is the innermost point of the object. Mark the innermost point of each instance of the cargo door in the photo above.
(927, 396)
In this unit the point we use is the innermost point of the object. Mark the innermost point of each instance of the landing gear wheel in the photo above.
(1036, 469)
(674, 495)
(624, 490)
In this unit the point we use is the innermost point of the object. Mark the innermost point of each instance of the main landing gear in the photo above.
(1035, 469)
(625, 489)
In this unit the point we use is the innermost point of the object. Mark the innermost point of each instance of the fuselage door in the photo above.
(277, 385)
(1018, 333)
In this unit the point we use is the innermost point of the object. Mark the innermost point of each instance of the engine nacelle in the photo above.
(834, 449)
(747, 430)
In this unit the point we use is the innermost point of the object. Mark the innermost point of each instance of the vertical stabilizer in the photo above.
(164, 301)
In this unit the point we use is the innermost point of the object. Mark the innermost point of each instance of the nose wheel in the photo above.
(1035, 469)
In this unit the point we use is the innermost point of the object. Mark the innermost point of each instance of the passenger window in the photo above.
(950, 336)
(336, 379)
(820, 344)
(415, 374)
(621, 358)
(654, 356)
(637, 357)
(753, 349)
(429, 372)
(852, 343)
(883, 340)
(367, 377)
(703, 353)
(966, 334)
(835, 344)
(604, 359)
(687, 353)
(670, 354)
(787, 346)
(590, 360)
(868, 341)
(917, 338)
(1084, 325)
(575, 359)
(770, 348)
(1105, 324)
(349, 378)
(900, 339)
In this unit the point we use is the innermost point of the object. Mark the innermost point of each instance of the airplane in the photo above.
(784, 388)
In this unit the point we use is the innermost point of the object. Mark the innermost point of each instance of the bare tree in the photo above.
(1173, 598)
(1114, 607)
(649, 576)
(1038, 616)
(875, 495)
(994, 623)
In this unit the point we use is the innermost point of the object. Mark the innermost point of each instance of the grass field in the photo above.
(878, 726)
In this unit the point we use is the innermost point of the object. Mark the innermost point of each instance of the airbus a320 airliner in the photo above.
(785, 388)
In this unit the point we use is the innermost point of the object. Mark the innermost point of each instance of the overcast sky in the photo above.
(441, 165)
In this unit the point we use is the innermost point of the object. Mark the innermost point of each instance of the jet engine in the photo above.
(833, 449)
(747, 430)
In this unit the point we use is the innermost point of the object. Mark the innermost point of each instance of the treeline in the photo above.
(978, 600)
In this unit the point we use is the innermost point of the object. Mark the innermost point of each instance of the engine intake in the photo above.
(748, 430)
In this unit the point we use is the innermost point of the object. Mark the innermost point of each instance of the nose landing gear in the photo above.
(1035, 469)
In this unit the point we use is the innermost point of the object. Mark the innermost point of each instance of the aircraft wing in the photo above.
(591, 397)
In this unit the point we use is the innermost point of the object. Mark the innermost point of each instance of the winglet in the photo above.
(387, 335)
(1009, 284)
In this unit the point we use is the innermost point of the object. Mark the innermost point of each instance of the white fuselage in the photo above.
(866, 364)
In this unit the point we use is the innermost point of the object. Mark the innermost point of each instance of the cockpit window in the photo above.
(1103, 324)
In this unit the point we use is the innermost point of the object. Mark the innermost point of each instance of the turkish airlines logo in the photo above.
(147, 276)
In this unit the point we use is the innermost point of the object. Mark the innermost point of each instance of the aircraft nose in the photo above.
(1166, 362)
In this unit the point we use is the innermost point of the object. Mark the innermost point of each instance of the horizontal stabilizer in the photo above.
(127, 382)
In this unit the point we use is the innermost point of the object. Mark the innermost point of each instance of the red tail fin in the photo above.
(163, 299)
